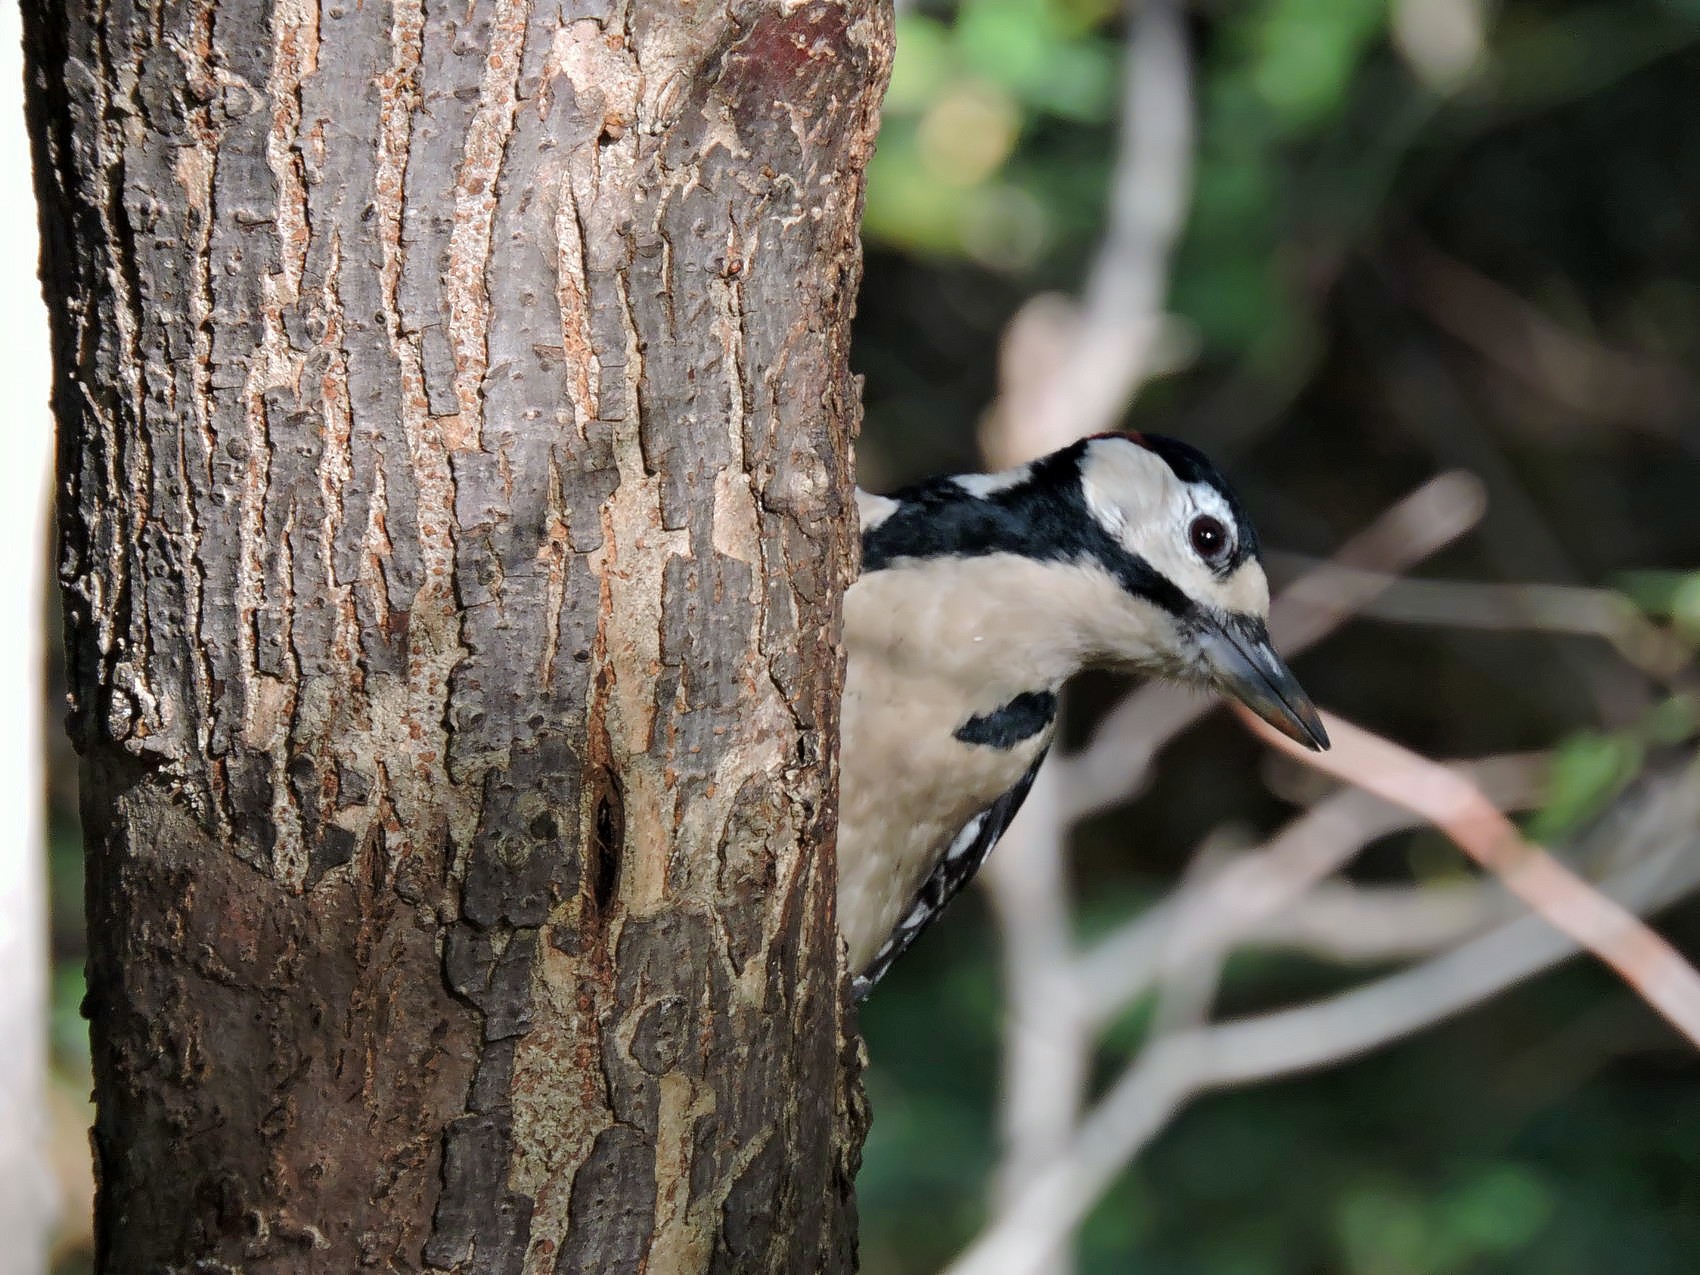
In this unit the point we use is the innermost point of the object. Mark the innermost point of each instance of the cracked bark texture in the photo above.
(454, 430)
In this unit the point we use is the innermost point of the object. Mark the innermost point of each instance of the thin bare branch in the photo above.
(1047, 1050)
(1550, 608)
(1126, 965)
(1178, 1067)
(1565, 368)
(1458, 807)
(1067, 370)
(1353, 924)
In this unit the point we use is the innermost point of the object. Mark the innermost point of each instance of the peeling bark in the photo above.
(454, 428)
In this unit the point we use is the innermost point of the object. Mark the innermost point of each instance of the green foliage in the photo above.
(951, 177)
(1389, 1227)
(69, 1030)
(1673, 596)
(931, 1145)
(1300, 56)
(1589, 770)
(1304, 114)
(963, 169)
(1592, 767)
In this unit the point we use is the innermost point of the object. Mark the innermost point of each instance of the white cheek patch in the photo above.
(1135, 496)
(1105, 511)
(1165, 539)
(1123, 483)
(1166, 543)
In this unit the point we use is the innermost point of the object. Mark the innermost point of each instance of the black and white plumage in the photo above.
(980, 596)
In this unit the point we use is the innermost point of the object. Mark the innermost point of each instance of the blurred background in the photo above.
(1344, 246)
(1423, 276)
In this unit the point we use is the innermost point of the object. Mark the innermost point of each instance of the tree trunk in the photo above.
(454, 488)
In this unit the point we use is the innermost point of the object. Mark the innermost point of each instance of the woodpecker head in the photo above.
(1194, 602)
(1122, 550)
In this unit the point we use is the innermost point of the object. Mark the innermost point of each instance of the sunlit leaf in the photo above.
(1382, 1230)
(1304, 53)
(968, 133)
(1587, 772)
(924, 62)
(1498, 1210)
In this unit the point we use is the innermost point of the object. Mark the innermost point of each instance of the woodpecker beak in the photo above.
(1245, 665)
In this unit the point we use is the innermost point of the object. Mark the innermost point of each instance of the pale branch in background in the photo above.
(1045, 1063)
(1356, 924)
(1662, 867)
(1066, 372)
(1556, 366)
(1548, 608)
(1069, 369)
(1459, 808)
(1227, 904)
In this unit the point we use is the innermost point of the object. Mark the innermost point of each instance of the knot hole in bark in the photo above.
(607, 843)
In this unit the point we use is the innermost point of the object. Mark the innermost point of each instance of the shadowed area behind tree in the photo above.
(1379, 280)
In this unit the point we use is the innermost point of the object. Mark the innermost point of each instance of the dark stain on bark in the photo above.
(613, 1207)
(201, 951)
(494, 1238)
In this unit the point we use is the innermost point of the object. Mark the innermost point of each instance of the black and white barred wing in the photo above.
(968, 850)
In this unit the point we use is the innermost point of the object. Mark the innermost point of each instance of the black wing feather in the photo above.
(953, 871)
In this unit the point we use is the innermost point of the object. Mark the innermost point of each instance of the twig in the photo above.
(1458, 807)
(1521, 541)
(1125, 965)
(1569, 369)
(1550, 608)
(1349, 924)
(1355, 1022)
(1065, 372)
(1046, 1046)
(1172, 1071)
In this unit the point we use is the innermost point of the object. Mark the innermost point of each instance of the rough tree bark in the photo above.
(454, 419)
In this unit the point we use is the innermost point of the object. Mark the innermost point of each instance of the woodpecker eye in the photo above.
(1209, 537)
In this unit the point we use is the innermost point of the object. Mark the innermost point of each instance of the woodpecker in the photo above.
(980, 596)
